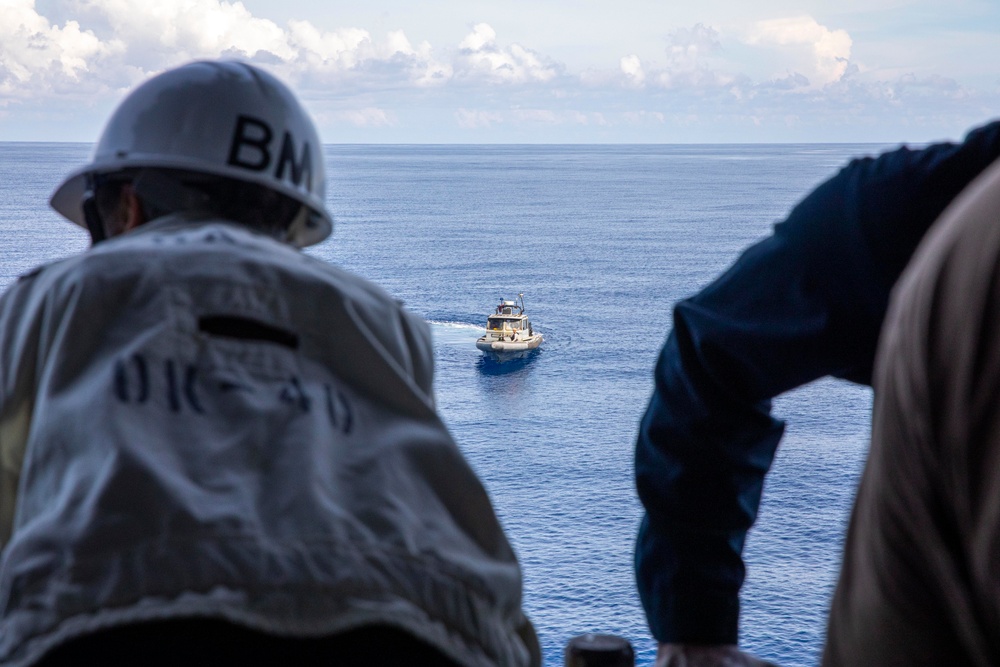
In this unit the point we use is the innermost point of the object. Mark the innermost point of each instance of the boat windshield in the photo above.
(496, 323)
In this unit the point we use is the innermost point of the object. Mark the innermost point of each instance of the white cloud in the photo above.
(340, 49)
(185, 29)
(807, 56)
(482, 36)
(688, 48)
(37, 57)
(690, 60)
(631, 67)
(828, 52)
(692, 63)
(482, 58)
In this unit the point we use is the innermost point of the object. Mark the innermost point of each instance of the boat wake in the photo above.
(455, 333)
(454, 325)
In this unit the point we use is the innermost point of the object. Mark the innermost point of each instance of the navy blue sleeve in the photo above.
(804, 303)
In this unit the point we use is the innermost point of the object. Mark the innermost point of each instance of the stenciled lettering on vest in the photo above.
(293, 394)
(339, 410)
(182, 389)
(137, 380)
(251, 149)
(123, 385)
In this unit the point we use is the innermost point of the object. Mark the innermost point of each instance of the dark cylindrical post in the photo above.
(592, 650)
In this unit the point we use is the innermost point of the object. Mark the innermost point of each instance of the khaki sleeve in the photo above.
(20, 330)
(14, 428)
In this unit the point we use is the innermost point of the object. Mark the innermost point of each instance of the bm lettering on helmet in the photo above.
(287, 157)
(249, 146)
(250, 149)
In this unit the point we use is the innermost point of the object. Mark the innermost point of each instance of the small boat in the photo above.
(508, 331)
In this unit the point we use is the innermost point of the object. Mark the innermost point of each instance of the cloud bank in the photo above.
(127, 40)
(781, 71)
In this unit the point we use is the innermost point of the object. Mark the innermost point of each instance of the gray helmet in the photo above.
(222, 118)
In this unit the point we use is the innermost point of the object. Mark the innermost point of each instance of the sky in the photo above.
(529, 71)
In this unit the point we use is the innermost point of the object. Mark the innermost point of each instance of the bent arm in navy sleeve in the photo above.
(804, 303)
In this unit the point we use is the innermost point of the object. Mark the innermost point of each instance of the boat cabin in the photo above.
(502, 323)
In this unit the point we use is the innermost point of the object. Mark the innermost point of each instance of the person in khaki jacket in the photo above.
(919, 578)
(215, 449)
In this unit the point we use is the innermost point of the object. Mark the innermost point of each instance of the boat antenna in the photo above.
(521, 296)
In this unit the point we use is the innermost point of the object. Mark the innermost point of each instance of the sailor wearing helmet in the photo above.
(219, 450)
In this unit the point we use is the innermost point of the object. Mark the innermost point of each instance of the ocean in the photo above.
(601, 240)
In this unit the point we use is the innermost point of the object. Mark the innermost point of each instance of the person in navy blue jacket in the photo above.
(804, 303)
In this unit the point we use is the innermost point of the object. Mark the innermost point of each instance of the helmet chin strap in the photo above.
(91, 215)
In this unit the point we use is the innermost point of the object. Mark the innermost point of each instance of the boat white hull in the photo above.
(508, 347)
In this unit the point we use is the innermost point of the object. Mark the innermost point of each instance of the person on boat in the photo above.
(918, 581)
(215, 449)
(804, 303)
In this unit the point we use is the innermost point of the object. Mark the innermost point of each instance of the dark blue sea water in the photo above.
(601, 240)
